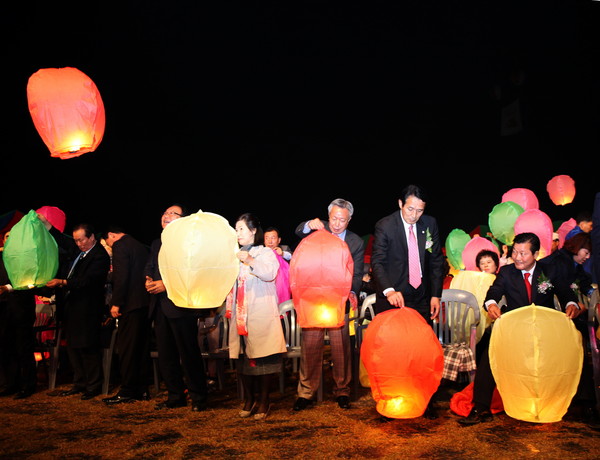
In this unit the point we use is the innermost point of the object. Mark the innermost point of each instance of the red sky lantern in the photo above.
(67, 111)
(561, 189)
(404, 360)
(320, 280)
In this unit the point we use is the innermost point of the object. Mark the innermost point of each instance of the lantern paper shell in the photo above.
(67, 111)
(321, 272)
(404, 361)
(523, 197)
(564, 229)
(456, 241)
(502, 221)
(536, 357)
(197, 260)
(473, 247)
(30, 253)
(561, 189)
(538, 222)
(54, 215)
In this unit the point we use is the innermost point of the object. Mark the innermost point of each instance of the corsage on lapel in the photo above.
(544, 284)
(428, 240)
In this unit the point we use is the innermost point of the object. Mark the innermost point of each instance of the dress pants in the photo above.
(311, 361)
(133, 345)
(87, 368)
(179, 357)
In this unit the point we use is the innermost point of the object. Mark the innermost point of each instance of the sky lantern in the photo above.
(536, 357)
(404, 361)
(523, 197)
(564, 229)
(54, 215)
(473, 247)
(30, 254)
(321, 273)
(197, 260)
(67, 111)
(501, 221)
(561, 189)
(538, 222)
(455, 244)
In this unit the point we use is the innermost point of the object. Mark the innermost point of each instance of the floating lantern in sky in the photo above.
(538, 222)
(561, 189)
(523, 197)
(321, 272)
(30, 253)
(536, 357)
(197, 260)
(455, 243)
(473, 247)
(67, 111)
(502, 221)
(404, 361)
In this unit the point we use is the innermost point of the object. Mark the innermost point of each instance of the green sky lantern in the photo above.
(502, 221)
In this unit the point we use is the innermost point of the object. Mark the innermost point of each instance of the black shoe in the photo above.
(477, 416)
(171, 404)
(199, 406)
(431, 412)
(118, 399)
(591, 417)
(302, 403)
(71, 392)
(23, 394)
(89, 395)
(9, 391)
(343, 402)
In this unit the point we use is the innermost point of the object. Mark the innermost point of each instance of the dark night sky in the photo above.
(278, 108)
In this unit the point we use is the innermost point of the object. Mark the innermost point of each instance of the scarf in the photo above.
(237, 299)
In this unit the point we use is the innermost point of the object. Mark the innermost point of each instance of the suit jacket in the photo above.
(129, 261)
(84, 299)
(356, 245)
(389, 258)
(509, 283)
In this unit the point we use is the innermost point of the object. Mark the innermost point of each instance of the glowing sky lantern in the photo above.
(561, 189)
(536, 357)
(30, 254)
(404, 361)
(455, 243)
(321, 273)
(54, 215)
(67, 111)
(472, 248)
(523, 197)
(538, 222)
(197, 260)
(501, 221)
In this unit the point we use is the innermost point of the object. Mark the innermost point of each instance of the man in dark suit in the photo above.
(511, 283)
(176, 331)
(84, 292)
(130, 302)
(311, 359)
(396, 285)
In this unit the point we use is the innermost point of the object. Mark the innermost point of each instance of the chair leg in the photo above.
(53, 367)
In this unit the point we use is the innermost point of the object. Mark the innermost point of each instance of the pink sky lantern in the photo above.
(53, 215)
(67, 111)
(564, 229)
(561, 189)
(321, 273)
(538, 222)
(472, 248)
(523, 197)
(404, 361)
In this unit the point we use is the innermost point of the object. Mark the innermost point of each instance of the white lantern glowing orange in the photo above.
(404, 360)
(536, 357)
(67, 111)
(321, 273)
(561, 189)
(197, 260)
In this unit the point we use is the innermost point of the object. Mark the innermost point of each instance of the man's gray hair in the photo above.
(341, 203)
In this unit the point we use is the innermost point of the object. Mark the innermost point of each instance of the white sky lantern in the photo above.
(197, 260)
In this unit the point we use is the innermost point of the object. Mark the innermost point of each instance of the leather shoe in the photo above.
(170, 404)
(199, 406)
(431, 412)
(23, 394)
(89, 395)
(118, 399)
(477, 416)
(71, 392)
(302, 403)
(343, 402)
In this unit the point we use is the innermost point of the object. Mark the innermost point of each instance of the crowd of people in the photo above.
(114, 277)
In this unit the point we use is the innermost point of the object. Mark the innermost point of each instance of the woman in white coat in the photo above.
(256, 335)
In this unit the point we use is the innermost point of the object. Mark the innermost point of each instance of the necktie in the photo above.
(414, 269)
(528, 285)
(80, 256)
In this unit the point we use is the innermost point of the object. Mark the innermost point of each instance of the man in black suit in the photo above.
(176, 331)
(84, 289)
(511, 283)
(130, 302)
(311, 359)
(391, 256)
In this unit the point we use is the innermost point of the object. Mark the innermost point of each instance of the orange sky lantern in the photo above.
(561, 189)
(67, 111)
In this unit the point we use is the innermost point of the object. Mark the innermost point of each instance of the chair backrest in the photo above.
(458, 318)
(291, 330)
(366, 314)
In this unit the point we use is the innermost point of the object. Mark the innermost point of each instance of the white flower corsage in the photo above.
(428, 240)
(544, 284)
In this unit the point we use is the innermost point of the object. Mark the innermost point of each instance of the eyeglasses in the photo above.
(171, 213)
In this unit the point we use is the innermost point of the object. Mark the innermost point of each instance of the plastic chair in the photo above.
(221, 353)
(46, 325)
(593, 322)
(366, 313)
(458, 319)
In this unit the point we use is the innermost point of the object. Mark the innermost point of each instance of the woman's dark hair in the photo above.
(252, 223)
(487, 253)
(581, 240)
